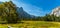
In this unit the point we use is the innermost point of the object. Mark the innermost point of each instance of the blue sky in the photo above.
(37, 7)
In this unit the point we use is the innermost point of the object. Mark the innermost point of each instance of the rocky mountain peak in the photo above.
(56, 11)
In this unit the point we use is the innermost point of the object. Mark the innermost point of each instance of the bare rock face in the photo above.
(56, 11)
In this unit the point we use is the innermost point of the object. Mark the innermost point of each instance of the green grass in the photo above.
(33, 24)
(3, 26)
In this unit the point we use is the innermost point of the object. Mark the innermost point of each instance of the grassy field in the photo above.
(33, 24)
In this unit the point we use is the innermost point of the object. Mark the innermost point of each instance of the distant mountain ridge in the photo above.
(24, 14)
(1, 2)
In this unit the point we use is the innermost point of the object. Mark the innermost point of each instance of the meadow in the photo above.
(33, 24)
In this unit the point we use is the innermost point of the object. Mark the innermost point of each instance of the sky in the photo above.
(37, 7)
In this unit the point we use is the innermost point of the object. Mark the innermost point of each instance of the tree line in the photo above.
(47, 17)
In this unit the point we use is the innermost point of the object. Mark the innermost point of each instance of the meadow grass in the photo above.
(33, 24)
